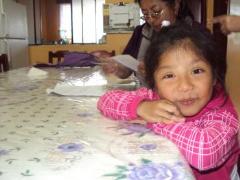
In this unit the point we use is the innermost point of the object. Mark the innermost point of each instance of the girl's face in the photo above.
(184, 78)
(155, 11)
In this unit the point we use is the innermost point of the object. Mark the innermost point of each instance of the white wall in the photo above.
(233, 59)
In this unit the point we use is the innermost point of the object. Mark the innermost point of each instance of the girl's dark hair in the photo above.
(183, 12)
(200, 38)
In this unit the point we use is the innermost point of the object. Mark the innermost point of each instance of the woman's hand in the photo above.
(228, 23)
(162, 111)
(112, 67)
(141, 68)
(109, 66)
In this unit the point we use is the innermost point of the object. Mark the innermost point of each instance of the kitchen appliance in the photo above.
(13, 33)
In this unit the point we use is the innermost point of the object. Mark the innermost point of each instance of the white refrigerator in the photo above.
(13, 33)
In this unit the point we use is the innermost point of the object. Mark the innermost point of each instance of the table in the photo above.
(48, 137)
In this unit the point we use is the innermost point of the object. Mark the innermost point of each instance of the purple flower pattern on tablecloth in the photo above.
(25, 87)
(3, 152)
(148, 147)
(148, 170)
(71, 147)
(152, 171)
(85, 114)
(134, 128)
(139, 128)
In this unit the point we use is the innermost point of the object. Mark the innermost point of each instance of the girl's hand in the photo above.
(162, 111)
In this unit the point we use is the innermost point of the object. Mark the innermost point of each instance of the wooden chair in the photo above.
(59, 55)
(4, 65)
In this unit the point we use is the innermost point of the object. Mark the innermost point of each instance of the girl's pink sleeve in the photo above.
(121, 104)
(207, 142)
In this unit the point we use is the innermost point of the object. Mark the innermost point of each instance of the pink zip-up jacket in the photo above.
(207, 140)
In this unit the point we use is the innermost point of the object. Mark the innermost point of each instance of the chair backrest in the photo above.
(59, 55)
(4, 65)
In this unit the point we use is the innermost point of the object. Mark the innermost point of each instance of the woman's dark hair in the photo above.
(183, 12)
(200, 39)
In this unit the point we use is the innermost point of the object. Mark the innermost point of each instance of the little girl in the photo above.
(186, 102)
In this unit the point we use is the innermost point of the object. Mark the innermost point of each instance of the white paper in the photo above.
(127, 61)
(65, 89)
(35, 73)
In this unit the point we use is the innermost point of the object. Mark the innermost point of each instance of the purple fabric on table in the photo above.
(73, 59)
(79, 59)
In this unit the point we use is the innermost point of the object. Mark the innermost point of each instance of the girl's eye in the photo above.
(198, 71)
(168, 76)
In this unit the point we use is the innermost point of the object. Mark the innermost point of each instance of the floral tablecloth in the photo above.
(51, 137)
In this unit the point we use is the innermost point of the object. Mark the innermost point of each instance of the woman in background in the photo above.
(156, 13)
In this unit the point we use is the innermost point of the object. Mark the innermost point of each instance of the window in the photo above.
(65, 29)
(86, 22)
